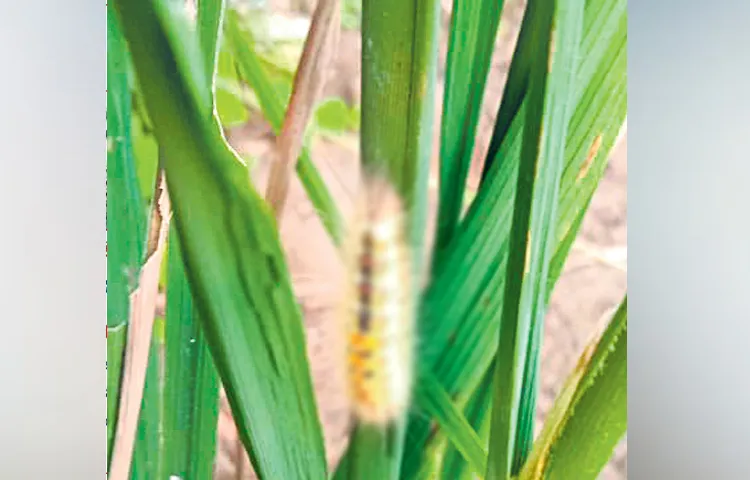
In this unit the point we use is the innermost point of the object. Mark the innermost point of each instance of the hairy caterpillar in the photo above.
(378, 313)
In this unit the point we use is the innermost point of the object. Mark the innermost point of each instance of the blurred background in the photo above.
(592, 284)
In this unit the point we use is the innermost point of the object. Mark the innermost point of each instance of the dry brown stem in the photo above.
(309, 79)
(142, 311)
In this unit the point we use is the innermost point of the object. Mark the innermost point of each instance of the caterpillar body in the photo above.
(378, 313)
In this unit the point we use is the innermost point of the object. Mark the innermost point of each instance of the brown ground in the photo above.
(593, 282)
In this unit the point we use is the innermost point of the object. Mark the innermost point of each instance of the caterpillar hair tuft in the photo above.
(378, 311)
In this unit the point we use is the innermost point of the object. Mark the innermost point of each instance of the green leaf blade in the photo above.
(589, 416)
(530, 218)
(476, 412)
(399, 59)
(436, 402)
(116, 338)
(459, 319)
(470, 47)
(232, 254)
(230, 102)
(399, 69)
(569, 19)
(209, 19)
(126, 212)
(126, 223)
(148, 451)
(191, 382)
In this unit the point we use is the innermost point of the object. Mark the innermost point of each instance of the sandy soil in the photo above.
(594, 280)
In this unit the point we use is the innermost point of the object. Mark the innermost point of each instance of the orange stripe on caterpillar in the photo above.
(378, 313)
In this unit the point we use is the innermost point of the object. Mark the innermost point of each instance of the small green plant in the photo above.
(231, 315)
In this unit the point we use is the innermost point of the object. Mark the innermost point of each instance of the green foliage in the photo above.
(534, 216)
(146, 153)
(125, 209)
(470, 47)
(191, 387)
(272, 104)
(399, 69)
(231, 312)
(116, 337)
(126, 237)
(351, 14)
(436, 402)
(461, 307)
(231, 250)
(476, 412)
(334, 116)
(148, 452)
(592, 404)
(229, 99)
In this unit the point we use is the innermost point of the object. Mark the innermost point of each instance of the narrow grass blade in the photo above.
(590, 415)
(566, 39)
(208, 21)
(476, 413)
(343, 468)
(126, 217)
(459, 319)
(115, 349)
(601, 18)
(514, 91)
(231, 250)
(191, 386)
(217, 58)
(126, 212)
(436, 402)
(273, 104)
(145, 152)
(534, 215)
(478, 407)
(369, 454)
(230, 102)
(470, 46)
(148, 451)
(399, 69)
(155, 435)
(520, 293)
(136, 453)
(527, 414)
(599, 112)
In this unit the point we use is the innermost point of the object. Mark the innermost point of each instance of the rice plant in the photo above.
(232, 318)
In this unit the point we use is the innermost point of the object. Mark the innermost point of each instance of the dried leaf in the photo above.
(142, 311)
